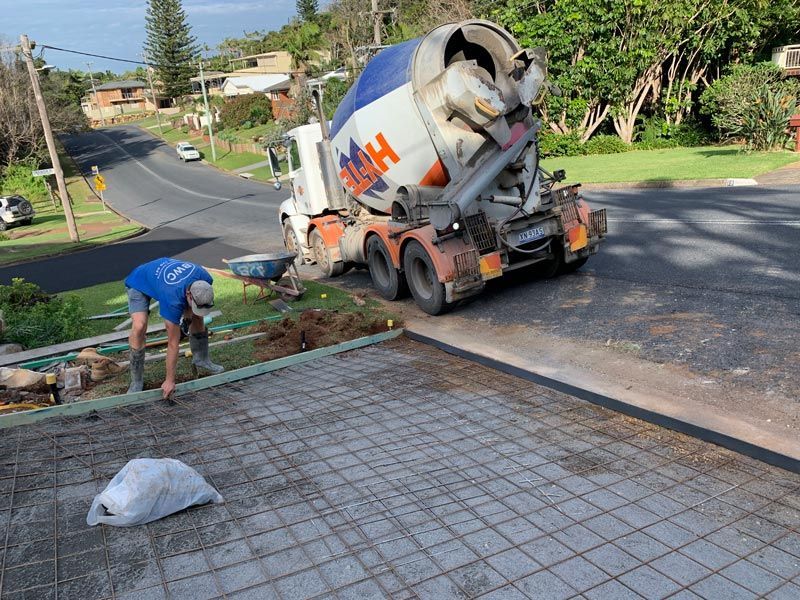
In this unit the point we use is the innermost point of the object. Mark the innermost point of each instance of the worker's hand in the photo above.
(167, 389)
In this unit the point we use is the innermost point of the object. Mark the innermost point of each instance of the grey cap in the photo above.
(202, 297)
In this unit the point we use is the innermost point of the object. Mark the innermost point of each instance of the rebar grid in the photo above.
(396, 464)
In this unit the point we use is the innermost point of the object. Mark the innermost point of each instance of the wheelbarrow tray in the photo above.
(261, 266)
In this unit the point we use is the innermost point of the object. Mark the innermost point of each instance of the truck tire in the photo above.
(292, 243)
(3, 225)
(428, 291)
(323, 256)
(390, 283)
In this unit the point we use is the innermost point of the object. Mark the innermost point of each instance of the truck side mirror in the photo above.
(274, 163)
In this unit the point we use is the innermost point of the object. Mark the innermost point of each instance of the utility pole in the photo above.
(377, 21)
(94, 91)
(208, 113)
(48, 136)
(152, 92)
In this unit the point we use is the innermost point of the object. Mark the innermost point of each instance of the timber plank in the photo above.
(25, 356)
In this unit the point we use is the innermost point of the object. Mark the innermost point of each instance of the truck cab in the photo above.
(306, 186)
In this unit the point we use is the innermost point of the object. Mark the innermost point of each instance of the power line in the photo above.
(125, 60)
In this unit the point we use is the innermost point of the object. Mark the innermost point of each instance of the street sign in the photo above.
(43, 172)
(100, 186)
(95, 170)
(99, 180)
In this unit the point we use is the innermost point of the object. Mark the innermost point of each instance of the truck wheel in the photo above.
(292, 243)
(323, 256)
(390, 283)
(3, 225)
(425, 286)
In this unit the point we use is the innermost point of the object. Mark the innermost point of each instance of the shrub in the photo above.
(656, 144)
(689, 134)
(753, 103)
(253, 108)
(34, 318)
(558, 144)
(605, 144)
(17, 179)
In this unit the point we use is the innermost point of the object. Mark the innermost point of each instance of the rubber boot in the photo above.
(198, 343)
(137, 370)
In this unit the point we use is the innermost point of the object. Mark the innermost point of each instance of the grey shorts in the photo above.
(137, 301)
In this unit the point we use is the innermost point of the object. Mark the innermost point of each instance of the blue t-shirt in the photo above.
(167, 280)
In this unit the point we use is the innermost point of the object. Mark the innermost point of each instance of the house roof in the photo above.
(262, 55)
(260, 83)
(210, 75)
(121, 85)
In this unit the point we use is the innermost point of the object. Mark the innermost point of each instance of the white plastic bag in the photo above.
(147, 489)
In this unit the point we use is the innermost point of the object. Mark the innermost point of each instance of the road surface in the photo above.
(193, 210)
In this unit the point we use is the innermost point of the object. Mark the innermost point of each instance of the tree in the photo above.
(307, 9)
(255, 109)
(170, 46)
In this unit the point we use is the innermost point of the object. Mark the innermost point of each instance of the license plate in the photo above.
(530, 235)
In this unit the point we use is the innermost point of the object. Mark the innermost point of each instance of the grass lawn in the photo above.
(706, 162)
(48, 233)
(107, 297)
(231, 161)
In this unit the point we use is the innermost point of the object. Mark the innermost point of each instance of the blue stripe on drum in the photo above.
(389, 70)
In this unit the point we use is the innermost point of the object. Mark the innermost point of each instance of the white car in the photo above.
(187, 152)
(15, 210)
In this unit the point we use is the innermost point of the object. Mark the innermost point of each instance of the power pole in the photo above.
(153, 93)
(377, 21)
(94, 91)
(208, 113)
(48, 136)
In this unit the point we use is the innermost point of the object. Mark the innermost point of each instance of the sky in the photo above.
(116, 27)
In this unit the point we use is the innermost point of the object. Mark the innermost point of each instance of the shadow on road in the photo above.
(115, 261)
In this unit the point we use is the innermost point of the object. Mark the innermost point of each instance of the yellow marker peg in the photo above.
(323, 296)
(390, 323)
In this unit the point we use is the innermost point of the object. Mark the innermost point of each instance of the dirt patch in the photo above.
(319, 328)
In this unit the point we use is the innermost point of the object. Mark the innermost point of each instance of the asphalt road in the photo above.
(707, 278)
(193, 210)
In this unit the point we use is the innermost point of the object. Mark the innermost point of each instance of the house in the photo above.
(266, 63)
(788, 58)
(214, 81)
(120, 98)
(275, 86)
(319, 83)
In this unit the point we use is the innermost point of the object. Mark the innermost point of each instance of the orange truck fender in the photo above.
(331, 228)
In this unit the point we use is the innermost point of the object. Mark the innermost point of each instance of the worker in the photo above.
(185, 297)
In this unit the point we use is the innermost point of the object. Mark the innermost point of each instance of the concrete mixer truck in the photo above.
(429, 175)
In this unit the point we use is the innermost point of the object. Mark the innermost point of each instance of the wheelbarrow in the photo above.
(265, 271)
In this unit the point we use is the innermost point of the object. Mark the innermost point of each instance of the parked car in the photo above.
(15, 210)
(187, 152)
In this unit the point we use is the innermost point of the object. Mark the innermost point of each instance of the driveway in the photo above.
(402, 473)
